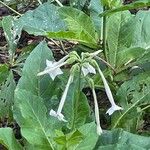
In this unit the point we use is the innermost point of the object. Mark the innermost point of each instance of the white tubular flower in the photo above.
(87, 68)
(114, 107)
(99, 129)
(58, 114)
(53, 68)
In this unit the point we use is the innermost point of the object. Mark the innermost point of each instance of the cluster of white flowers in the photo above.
(53, 69)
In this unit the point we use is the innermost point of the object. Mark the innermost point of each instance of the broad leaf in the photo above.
(96, 8)
(141, 36)
(119, 35)
(126, 36)
(8, 139)
(42, 86)
(42, 19)
(80, 27)
(30, 113)
(91, 137)
(119, 139)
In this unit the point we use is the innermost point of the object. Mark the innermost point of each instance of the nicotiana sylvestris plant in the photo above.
(86, 65)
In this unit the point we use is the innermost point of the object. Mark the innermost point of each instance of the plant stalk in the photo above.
(104, 35)
(10, 8)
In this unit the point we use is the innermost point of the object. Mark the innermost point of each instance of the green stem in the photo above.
(39, 1)
(59, 3)
(104, 35)
(143, 109)
(10, 8)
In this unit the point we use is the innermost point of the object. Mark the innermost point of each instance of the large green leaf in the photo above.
(7, 139)
(42, 19)
(134, 5)
(119, 139)
(126, 36)
(80, 27)
(141, 36)
(91, 137)
(42, 86)
(30, 113)
(96, 8)
(119, 35)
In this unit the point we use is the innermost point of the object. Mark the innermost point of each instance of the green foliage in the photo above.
(80, 27)
(134, 5)
(119, 139)
(29, 81)
(30, 113)
(132, 95)
(96, 8)
(41, 20)
(76, 108)
(8, 139)
(125, 41)
(12, 34)
(7, 95)
(3, 73)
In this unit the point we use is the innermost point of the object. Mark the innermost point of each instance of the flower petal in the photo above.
(113, 108)
(91, 69)
(50, 63)
(53, 113)
(87, 68)
(84, 70)
(59, 116)
(55, 73)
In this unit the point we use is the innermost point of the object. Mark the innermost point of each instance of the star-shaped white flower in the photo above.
(54, 72)
(53, 68)
(87, 68)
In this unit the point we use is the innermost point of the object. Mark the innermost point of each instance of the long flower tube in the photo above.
(58, 114)
(113, 107)
(99, 129)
